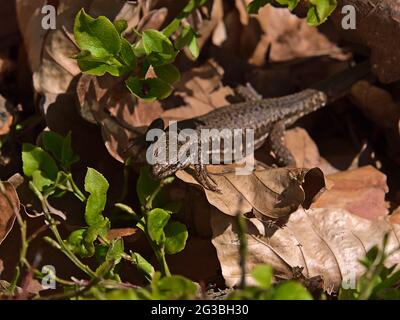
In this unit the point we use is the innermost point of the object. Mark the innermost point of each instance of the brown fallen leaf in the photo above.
(268, 193)
(303, 148)
(9, 207)
(324, 242)
(274, 34)
(360, 191)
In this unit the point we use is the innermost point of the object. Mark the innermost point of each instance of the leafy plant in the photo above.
(317, 13)
(105, 49)
(264, 290)
(378, 281)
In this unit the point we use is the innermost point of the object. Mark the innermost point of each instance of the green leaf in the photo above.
(38, 165)
(60, 148)
(190, 7)
(193, 4)
(120, 25)
(194, 48)
(98, 36)
(254, 6)
(127, 55)
(188, 37)
(92, 232)
(75, 243)
(156, 41)
(149, 89)
(115, 251)
(138, 49)
(291, 290)
(158, 48)
(93, 66)
(40, 180)
(143, 265)
(175, 288)
(291, 4)
(263, 274)
(176, 235)
(319, 11)
(169, 73)
(156, 220)
(97, 186)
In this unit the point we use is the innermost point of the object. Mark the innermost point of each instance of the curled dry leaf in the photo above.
(267, 193)
(326, 240)
(9, 207)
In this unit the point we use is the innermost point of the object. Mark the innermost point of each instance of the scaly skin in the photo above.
(267, 117)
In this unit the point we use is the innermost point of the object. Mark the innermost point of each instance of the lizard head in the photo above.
(161, 166)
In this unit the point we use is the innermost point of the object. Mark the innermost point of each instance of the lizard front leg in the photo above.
(204, 178)
(282, 153)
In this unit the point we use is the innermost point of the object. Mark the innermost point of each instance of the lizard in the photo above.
(268, 118)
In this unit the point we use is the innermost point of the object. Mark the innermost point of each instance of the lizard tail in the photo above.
(340, 84)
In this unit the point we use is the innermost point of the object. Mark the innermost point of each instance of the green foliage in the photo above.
(60, 148)
(105, 50)
(176, 235)
(263, 275)
(97, 186)
(41, 165)
(318, 10)
(38, 165)
(378, 281)
(143, 265)
(264, 290)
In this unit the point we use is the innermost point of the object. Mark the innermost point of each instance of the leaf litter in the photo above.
(332, 217)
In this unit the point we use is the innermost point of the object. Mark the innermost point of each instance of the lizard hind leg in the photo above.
(204, 178)
(282, 154)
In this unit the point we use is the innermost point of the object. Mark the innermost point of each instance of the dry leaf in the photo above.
(360, 191)
(276, 32)
(9, 207)
(270, 193)
(121, 233)
(324, 242)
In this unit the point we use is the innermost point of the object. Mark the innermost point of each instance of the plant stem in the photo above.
(77, 192)
(242, 231)
(57, 235)
(158, 251)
